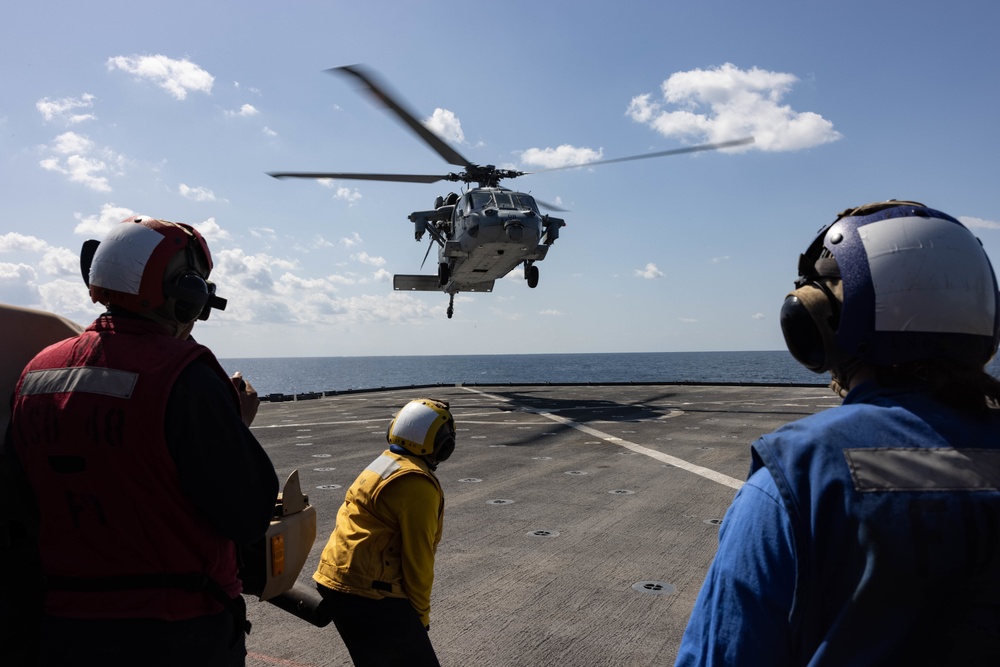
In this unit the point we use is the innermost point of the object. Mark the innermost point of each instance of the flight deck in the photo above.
(580, 520)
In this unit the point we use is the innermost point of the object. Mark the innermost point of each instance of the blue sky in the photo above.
(177, 110)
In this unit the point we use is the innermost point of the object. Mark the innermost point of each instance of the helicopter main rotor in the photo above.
(483, 175)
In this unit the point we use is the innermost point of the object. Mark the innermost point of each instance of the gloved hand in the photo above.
(249, 402)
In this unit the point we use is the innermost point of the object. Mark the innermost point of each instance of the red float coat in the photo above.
(89, 432)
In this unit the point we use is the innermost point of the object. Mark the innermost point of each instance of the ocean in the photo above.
(303, 375)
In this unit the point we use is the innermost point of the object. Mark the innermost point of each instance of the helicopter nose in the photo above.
(514, 231)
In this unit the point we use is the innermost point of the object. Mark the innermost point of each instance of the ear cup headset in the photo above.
(424, 427)
(890, 283)
(109, 269)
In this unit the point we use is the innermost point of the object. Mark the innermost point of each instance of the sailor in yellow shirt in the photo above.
(377, 569)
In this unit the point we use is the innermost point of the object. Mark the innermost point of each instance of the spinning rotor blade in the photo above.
(675, 151)
(401, 178)
(551, 207)
(379, 91)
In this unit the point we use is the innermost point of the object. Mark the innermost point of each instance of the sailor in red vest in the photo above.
(136, 447)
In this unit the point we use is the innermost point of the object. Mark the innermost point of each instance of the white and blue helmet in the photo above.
(891, 283)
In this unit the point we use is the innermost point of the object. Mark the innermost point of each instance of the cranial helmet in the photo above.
(890, 283)
(135, 268)
(424, 427)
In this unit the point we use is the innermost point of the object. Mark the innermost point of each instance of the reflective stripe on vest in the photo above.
(924, 469)
(107, 381)
(383, 466)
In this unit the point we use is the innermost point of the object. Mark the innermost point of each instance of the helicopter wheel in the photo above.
(531, 275)
(451, 306)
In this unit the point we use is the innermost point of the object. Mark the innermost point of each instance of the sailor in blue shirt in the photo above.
(869, 534)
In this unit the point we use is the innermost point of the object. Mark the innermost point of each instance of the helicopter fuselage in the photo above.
(482, 236)
(492, 231)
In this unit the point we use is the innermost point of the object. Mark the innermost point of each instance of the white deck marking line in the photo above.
(707, 473)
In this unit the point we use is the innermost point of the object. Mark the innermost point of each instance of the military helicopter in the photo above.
(486, 231)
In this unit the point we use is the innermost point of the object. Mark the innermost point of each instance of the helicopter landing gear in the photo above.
(451, 305)
(531, 275)
(444, 273)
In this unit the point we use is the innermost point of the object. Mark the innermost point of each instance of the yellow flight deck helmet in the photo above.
(419, 428)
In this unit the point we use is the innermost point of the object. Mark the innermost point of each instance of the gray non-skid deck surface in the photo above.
(579, 520)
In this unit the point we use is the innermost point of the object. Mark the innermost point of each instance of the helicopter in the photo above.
(484, 232)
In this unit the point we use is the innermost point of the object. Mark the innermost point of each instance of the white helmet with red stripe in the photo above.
(143, 262)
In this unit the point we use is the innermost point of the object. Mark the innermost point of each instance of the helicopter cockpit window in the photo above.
(481, 200)
(525, 202)
(504, 201)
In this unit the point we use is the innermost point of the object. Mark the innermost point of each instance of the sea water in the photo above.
(298, 375)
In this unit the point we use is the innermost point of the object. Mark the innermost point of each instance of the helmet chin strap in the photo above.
(164, 316)
(842, 376)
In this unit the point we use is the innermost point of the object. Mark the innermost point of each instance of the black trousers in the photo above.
(379, 633)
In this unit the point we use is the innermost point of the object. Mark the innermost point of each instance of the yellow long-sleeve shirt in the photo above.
(387, 534)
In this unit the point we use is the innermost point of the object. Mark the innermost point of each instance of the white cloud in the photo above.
(563, 156)
(649, 273)
(382, 276)
(348, 195)
(18, 284)
(212, 232)
(71, 142)
(269, 132)
(14, 242)
(263, 233)
(340, 192)
(197, 194)
(351, 241)
(338, 279)
(365, 258)
(79, 163)
(69, 298)
(728, 103)
(99, 225)
(60, 262)
(719, 260)
(758, 316)
(687, 320)
(52, 109)
(80, 169)
(175, 76)
(245, 110)
(978, 223)
(554, 313)
(258, 294)
(446, 125)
